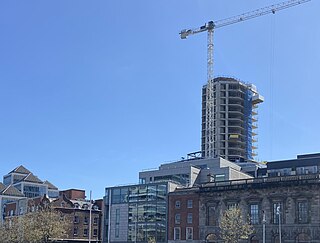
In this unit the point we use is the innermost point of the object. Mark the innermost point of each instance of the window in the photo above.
(95, 232)
(95, 221)
(189, 219)
(221, 177)
(189, 233)
(119, 195)
(85, 221)
(177, 218)
(76, 219)
(117, 223)
(85, 206)
(117, 216)
(177, 233)
(277, 212)
(85, 232)
(75, 231)
(303, 212)
(211, 218)
(177, 204)
(190, 204)
(117, 231)
(231, 205)
(254, 213)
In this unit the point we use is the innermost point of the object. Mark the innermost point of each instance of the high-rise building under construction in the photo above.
(234, 120)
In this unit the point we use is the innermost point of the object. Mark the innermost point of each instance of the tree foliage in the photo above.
(233, 227)
(35, 227)
(152, 239)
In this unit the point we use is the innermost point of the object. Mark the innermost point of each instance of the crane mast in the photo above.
(209, 27)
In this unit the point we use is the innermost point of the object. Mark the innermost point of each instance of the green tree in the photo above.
(11, 231)
(152, 239)
(233, 227)
(35, 227)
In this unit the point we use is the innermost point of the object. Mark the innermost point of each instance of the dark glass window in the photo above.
(303, 212)
(177, 218)
(76, 219)
(178, 204)
(189, 233)
(189, 219)
(85, 221)
(277, 212)
(211, 219)
(177, 233)
(254, 213)
(190, 204)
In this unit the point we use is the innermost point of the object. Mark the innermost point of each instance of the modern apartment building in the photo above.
(234, 121)
(303, 164)
(29, 184)
(136, 213)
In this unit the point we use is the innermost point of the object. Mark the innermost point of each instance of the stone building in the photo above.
(297, 197)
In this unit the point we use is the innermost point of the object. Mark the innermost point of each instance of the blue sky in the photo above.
(92, 92)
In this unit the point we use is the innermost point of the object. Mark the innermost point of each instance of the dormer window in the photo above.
(76, 205)
(85, 206)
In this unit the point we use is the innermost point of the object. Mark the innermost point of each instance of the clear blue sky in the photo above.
(92, 92)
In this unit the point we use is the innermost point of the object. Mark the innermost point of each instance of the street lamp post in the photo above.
(279, 214)
(263, 227)
(90, 211)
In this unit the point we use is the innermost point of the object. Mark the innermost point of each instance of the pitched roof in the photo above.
(2, 187)
(21, 170)
(32, 178)
(50, 185)
(11, 191)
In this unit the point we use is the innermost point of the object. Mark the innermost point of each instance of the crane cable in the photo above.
(271, 85)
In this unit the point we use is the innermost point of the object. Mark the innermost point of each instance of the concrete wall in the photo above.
(123, 224)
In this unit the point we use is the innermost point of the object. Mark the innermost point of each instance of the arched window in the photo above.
(303, 238)
(276, 239)
(211, 238)
(254, 239)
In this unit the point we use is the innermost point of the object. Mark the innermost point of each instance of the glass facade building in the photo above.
(136, 213)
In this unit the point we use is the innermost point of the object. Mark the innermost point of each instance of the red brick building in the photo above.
(76, 210)
(183, 222)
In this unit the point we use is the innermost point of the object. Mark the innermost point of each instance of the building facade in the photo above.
(183, 210)
(29, 184)
(77, 211)
(304, 164)
(234, 122)
(194, 171)
(136, 213)
(294, 201)
(10, 194)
